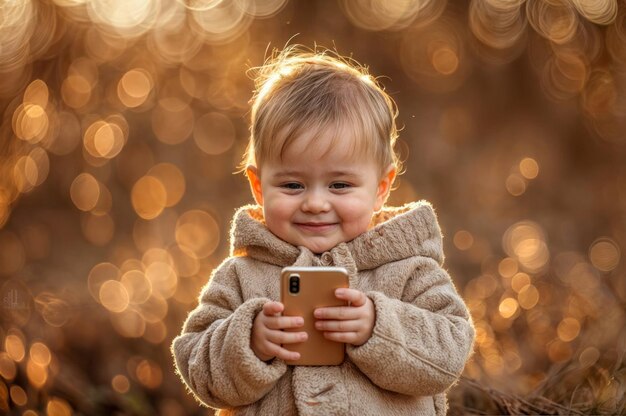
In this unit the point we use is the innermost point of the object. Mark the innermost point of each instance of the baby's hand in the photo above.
(267, 336)
(350, 324)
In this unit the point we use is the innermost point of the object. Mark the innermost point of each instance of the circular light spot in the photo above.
(18, 395)
(129, 323)
(528, 297)
(134, 87)
(37, 374)
(515, 184)
(463, 240)
(139, 287)
(8, 369)
(58, 407)
(120, 384)
(172, 180)
(445, 60)
(589, 357)
(529, 168)
(520, 281)
(198, 232)
(508, 307)
(214, 133)
(40, 354)
(76, 91)
(99, 274)
(162, 278)
(113, 296)
(85, 192)
(148, 197)
(568, 329)
(14, 346)
(604, 254)
(507, 267)
(149, 374)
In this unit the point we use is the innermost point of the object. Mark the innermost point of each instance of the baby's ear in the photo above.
(252, 174)
(384, 186)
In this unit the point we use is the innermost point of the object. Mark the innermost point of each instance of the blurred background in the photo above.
(123, 122)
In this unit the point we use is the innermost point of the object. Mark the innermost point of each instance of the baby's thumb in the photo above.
(272, 308)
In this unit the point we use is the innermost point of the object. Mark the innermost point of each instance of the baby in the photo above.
(321, 164)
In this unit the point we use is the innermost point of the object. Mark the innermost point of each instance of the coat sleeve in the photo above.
(420, 343)
(212, 355)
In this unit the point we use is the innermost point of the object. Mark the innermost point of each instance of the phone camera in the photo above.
(294, 284)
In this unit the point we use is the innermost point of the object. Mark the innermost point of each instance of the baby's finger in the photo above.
(355, 297)
(287, 355)
(281, 337)
(341, 313)
(284, 322)
(339, 326)
(276, 350)
(347, 337)
(272, 308)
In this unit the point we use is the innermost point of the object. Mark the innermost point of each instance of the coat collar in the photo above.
(397, 233)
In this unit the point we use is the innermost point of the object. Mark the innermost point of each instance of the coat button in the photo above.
(327, 259)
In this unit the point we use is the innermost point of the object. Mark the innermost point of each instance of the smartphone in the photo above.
(303, 289)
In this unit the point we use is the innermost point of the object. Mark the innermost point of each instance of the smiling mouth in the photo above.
(316, 227)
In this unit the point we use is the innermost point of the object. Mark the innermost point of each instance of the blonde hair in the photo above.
(302, 91)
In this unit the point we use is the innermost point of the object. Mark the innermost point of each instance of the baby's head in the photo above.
(320, 160)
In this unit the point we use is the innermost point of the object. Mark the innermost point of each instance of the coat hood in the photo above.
(397, 233)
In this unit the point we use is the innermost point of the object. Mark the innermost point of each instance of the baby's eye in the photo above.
(339, 185)
(291, 185)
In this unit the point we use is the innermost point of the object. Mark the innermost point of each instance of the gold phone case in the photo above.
(317, 289)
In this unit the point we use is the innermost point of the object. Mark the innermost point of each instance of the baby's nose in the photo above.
(315, 202)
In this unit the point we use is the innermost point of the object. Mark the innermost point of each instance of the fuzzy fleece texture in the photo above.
(422, 337)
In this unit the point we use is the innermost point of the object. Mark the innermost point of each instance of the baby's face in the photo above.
(317, 196)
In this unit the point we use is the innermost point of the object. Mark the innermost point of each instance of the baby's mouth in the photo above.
(316, 227)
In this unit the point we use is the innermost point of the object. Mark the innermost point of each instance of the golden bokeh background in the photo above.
(123, 122)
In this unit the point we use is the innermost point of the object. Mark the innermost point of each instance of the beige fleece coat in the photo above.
(422, 335)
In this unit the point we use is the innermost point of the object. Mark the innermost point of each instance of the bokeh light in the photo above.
(124, 121)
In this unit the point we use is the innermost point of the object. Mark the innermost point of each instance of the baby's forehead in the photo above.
(330, 144)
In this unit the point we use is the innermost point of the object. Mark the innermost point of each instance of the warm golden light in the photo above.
(528, 297)
(128, 323)
(40, 354)
(14, 346)
(508, 307)
(214, 133)
(99, 274)
(463, 240)
(120, 384)
(8, 369)
(149, 374)
(37, 374)
(507, 267)
(568, 329)
(58, 407)
(529, 168)
(525, 241)
(163, 278)
(149, 197)
(18, 395)
(515, 184)
(198, 232)
(85, 192)
(604, 254)
(173, 182)
(139, 287)
(172, 121)
(113, 296)
(134, 87)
